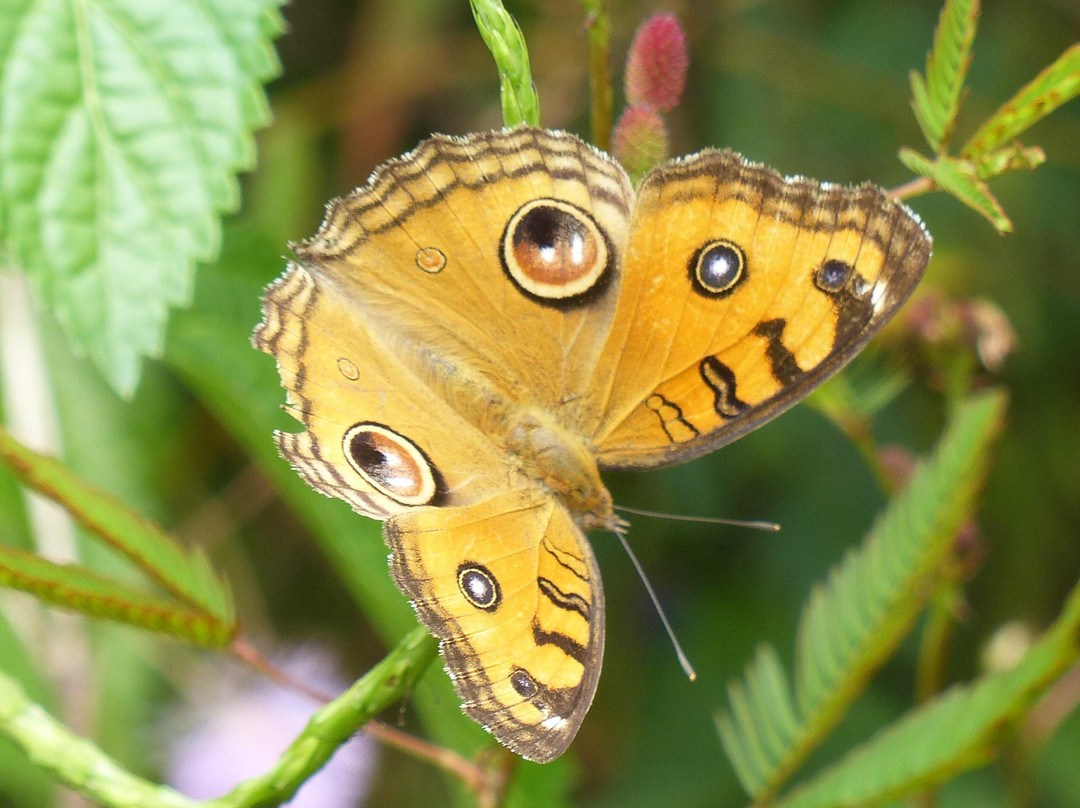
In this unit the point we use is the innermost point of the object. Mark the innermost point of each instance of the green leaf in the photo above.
(856, 620)
(1054, 86)
(936, 100)
(1013, 157)
(75, 587)
(520, 103)
(965, 723)
(960, 177)
(123, 123)
(187, 575)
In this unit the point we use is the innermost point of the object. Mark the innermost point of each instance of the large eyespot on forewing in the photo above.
(392, 464)
(555, 252)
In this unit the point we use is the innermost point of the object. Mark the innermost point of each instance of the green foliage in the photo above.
(961, 179)
(82, 590)
(1054, 86)
(936, 100)
(966, 723)
(208, 620)
(851, 624)
(501, 33)
(123, 125)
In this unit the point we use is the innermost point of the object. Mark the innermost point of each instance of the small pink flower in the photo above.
(657, 62)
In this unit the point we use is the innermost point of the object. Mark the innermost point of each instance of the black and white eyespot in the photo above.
(718, 268)
(523, 683)
(555, 252)
(391, 463)
(479, 586)
(833, 275)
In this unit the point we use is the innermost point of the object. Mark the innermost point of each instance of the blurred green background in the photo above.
(809, 87)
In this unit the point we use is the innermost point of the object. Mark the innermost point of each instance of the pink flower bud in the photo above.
(640, 140)
(657, 62)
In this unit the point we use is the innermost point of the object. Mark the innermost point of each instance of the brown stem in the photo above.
(913, 187)
(246, 653)
(488, 783)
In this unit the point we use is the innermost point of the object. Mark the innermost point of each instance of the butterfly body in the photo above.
(490, 321)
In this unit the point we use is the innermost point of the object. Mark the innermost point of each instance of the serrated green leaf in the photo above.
(500, 31)
(80, 589)
(960, 177)
(1055, 85)
(122, 125)
(187, 575)
(936, 101)
(965, 724)
(851, 625)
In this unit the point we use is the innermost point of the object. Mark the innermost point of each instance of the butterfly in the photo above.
(491, 320)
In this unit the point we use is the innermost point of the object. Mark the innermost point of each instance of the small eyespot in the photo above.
(524, 685)
(718, 267)
(479, 586)
(348, 369)
(391, 463)
(833, 275)
(431, 259)
(554, 251)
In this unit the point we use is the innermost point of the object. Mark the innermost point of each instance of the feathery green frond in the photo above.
(966, 723)
(960, 178)
(187, 575)
(1055, 85)
(124, 125)
(852, 623)
(80, 589)
(936, 99)
(500, 31)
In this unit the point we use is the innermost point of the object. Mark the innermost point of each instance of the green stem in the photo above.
(73, 760)
(80, 764)
(598, 27)
(520, 104)
(387, 682)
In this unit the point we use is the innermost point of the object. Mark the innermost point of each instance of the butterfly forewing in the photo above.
(742, 292)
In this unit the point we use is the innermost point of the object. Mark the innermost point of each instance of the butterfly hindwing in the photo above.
(511, 589)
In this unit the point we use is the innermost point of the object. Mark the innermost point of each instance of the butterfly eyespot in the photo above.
(554, 251)
(524, 685)
(479, 586)
(391, 463)
(348, 369)
(833, 275)
(718, 267)
(431, 259)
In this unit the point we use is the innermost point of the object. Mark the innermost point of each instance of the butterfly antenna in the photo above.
(770, 527)
(684, 661)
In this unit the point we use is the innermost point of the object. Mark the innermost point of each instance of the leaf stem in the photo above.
(913, 187)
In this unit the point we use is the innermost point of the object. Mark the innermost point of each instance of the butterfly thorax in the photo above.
(561, 461)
